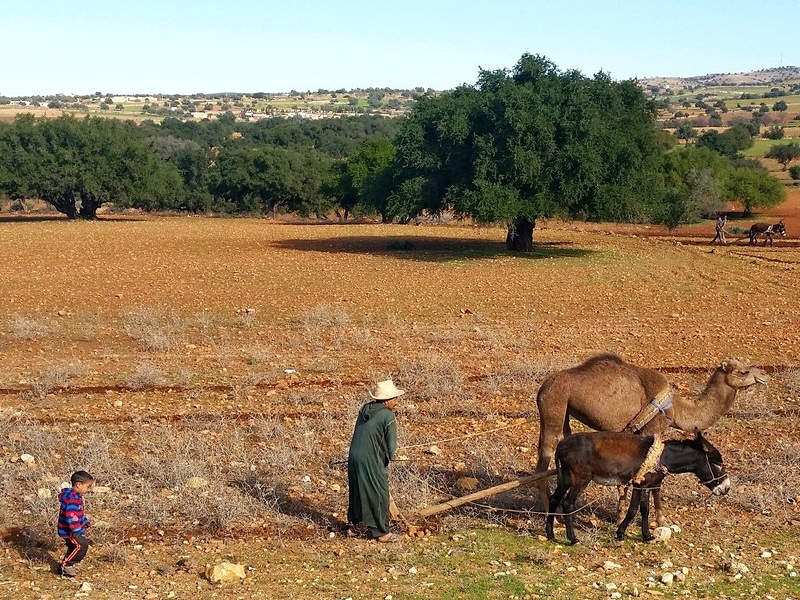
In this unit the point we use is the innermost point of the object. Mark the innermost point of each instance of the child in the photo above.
(72, 523)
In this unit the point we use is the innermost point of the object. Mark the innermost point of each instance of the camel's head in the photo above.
(739, 375)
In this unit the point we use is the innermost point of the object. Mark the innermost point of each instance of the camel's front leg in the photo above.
(622, 503)
(661, 520)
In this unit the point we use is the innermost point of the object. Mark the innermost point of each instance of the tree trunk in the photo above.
(65, 204)
(89, 208)
(520, 235)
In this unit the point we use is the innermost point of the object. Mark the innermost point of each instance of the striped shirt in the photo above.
(71, 519)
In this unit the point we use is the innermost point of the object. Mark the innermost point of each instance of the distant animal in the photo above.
(608, 394)
(611, 458)
(766, 230)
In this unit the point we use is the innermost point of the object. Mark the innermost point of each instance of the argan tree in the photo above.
(784, 153)
(79, 165)
(529, 143)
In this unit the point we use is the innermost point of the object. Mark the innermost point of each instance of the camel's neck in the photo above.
(701, 413)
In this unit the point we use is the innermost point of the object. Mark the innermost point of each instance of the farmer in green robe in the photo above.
(372, 447)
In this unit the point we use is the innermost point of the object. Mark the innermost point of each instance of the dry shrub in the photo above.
(116, 554)
(304, 398)
(436, 377)
(205, 320)
(768, 481)
(145, 472)
(241, 389)
(145, 375)
(156, 331)
(53, 378)
(257, 354)
(182, 376)
(84, 326)
(754, 403)
(27, 328)
(793, 383)
(245, 320)
(412, 489)
(324, 316)
(360, 337)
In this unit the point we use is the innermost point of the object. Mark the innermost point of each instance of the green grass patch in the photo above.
(761, 147)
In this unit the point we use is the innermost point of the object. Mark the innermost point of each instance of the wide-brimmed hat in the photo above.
(386, 390)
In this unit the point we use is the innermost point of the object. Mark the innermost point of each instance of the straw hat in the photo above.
(386, 390)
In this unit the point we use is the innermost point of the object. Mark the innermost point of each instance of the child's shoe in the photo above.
(69, 571)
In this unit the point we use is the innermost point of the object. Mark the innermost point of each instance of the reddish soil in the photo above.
(199, 327)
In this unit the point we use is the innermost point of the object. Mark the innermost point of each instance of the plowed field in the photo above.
(155, 350)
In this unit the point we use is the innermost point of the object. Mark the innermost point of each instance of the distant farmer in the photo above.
(373, 445)
(72, 522)
(722, 221)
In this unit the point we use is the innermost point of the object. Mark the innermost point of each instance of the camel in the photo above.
(608, 394)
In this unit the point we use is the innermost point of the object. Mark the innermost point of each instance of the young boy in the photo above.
(72, 523)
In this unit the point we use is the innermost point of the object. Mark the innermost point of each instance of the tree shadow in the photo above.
(50, 218)
(429, 248)
(31, 544)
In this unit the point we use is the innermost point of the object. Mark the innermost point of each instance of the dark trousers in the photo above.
(77, 545)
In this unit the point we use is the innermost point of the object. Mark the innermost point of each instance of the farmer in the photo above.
(372, 447)
(722, 221)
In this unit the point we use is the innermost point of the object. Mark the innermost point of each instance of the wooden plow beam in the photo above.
(503, 487)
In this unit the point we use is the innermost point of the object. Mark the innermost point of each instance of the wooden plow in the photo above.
(503, 487)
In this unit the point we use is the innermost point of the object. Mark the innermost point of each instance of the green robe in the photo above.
(372, 447)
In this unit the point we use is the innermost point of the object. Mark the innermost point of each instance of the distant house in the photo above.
(250, 115)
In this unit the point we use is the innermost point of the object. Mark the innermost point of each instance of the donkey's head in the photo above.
(709, 468)
(779, 228)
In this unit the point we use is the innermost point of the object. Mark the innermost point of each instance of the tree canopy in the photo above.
(529, 143)
(729, 143)
(78, 165)
(784, 153)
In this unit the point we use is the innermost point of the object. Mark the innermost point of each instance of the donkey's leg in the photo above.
(636, 495)
(555, 501)
(570, 502)
(644, 507)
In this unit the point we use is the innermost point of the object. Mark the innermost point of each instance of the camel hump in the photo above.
(608, 365)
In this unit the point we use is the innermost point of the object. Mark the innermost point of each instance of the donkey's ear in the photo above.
(726, 366)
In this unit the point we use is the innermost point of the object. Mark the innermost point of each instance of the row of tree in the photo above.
(519, 145)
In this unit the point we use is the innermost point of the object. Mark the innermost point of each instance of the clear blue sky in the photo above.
(181, 47)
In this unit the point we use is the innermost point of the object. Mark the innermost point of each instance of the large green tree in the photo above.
(694, 178)
(754, 187)
(362, 180)
(79, 165)
(529, 143)
(271, 179)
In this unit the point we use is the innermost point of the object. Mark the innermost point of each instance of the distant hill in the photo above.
(763, 77)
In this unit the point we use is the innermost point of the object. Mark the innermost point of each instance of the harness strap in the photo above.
(660, 404)
(652, 461)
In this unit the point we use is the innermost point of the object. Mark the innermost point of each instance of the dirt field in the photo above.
(208, 372)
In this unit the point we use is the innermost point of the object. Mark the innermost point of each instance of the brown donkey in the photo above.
(620, 458)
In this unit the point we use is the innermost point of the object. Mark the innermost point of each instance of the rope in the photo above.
(434, 442)
(463, 437)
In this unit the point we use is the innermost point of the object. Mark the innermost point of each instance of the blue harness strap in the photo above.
(663, 409)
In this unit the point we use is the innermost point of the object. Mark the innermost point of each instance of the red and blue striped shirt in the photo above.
(71, 519)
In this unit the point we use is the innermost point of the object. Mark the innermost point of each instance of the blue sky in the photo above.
(180, 47)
